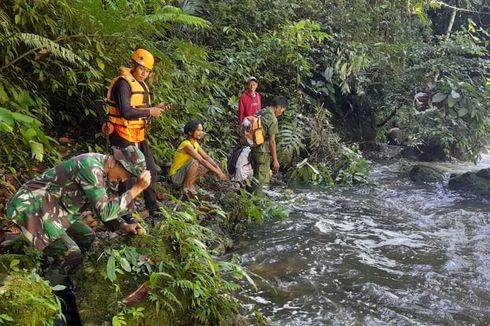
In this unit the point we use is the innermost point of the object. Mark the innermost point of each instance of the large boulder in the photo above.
(379, 151)
(425, 174)
(473, 182)
(425, 153)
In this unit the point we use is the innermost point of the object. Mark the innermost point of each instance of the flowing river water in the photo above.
(395, 253)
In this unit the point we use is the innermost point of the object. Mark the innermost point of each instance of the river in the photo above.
(395, 253)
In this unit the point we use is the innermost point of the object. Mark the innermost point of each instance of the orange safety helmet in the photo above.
(144, 58)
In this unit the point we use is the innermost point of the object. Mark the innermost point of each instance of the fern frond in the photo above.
(110, 4)
(176, 15)
(39, 42)
(184, 285)
(192, 7)
(171, 297)
(291, 141)
(5, 22)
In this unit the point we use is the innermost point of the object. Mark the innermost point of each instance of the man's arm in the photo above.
(108, 210)
(241, 109)
(272, 129)
(272, 148)
(208, 158)
(213, 167)
(121, 93)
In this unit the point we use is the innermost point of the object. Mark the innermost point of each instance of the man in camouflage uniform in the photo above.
(47, 209)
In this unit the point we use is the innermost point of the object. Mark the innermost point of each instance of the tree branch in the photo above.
(443, 4)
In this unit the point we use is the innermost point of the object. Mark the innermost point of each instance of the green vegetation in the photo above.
(175, 262)
(27, 299)
(361, 63)
(351, 70)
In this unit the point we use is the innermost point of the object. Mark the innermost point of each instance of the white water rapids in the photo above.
(395, 253)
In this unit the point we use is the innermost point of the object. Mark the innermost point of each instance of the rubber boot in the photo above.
(69, 304)
(129, 219)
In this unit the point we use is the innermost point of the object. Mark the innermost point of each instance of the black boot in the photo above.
(69, 304)
(69, 307)
(129, 219)
(154, 216)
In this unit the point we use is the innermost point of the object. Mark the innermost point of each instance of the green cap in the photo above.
(131, 158)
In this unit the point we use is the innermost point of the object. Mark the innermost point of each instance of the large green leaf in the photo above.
(111, 269)
(462, 112)
(37, 150)
(6, 120)
(28, 134)
(125, 264)
(22, 118)
(439, 97)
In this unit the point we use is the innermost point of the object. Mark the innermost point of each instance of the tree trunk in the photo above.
(451, 23)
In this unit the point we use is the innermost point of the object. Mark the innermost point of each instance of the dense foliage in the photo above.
(175, 264)
(360, 60)
(26, 298)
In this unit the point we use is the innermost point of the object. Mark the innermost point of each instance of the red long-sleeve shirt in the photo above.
(248, 105)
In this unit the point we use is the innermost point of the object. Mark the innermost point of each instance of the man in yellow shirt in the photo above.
(191, 161)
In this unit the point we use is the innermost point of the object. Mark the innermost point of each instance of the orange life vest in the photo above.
(131, 130)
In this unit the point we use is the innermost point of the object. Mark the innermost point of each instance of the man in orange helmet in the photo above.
(130, 108)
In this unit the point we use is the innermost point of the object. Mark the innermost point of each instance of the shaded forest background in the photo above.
(351, 69)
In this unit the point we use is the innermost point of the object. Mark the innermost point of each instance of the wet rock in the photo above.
(485, 174)
(411, 153)
(424, 174)
(425, 153)
(473, 182)
(379, 151)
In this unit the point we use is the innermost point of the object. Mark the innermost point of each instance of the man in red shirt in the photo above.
(250, 101)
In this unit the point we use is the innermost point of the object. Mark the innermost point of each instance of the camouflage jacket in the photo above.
(46, 206)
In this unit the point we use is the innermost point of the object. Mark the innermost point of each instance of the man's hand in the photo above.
(222, 176)
(275, 165)
(132, 228)
(155, 111)
(143, 180)
(164, 106)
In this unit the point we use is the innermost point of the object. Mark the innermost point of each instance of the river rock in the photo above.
(424, 174)
(473, 182)
(425, 153)
(379, 151)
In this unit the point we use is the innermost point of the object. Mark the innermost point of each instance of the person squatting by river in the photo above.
(191, 162)
(130, 109)
(47, 209)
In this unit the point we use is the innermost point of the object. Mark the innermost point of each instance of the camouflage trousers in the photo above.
(52, 229)
(64, 255)
(60, 259)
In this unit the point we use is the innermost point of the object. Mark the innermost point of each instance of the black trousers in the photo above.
(150, 193)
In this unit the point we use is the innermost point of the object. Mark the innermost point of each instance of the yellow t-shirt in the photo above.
(181, 157)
